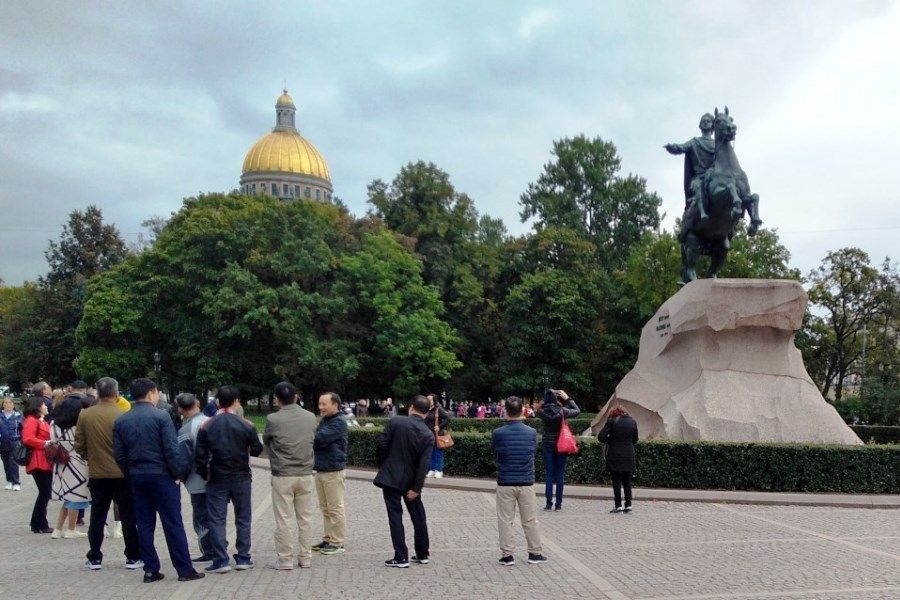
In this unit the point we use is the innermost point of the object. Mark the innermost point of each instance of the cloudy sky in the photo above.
(134, 105)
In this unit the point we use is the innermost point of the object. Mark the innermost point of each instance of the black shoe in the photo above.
(536, 559)
(153, 577)
(420, 561)
(79, 522)
(191, 576)
(558, 508)
(329, 549)
(42, 530)
(507, 561)
(204, 558)
(319, 546)
(627, 510)
(617, 509)
(549, 506)
(397, 563)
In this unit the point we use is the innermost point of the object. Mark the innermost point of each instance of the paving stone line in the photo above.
(788, 594)
(811, 532)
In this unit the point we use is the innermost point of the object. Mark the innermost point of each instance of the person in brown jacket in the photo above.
(94, 443)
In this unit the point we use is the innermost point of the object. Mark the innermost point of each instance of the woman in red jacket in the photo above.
(35, 435)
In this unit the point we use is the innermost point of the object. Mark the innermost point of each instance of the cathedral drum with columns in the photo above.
(283, 163)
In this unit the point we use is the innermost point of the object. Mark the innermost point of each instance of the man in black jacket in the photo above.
(404, 451)
(224, 446)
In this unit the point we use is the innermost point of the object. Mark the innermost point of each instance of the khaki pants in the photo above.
(330, 488)
(507, 499)
(292, 504)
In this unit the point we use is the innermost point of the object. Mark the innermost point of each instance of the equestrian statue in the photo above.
(717, 194)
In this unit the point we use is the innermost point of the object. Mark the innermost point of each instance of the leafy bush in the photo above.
(692, 465)
(465, 424)
(877, 434)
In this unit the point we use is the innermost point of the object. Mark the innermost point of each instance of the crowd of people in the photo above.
(97, 451)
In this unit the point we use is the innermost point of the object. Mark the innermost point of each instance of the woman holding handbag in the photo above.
(620, 434)
(438, 419)
(557, 407)
(35, 436)
(70, 471)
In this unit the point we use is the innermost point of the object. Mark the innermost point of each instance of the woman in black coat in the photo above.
(620, 434)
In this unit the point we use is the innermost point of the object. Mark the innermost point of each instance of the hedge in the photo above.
(692, 465)
(878, 434)
(465, 424)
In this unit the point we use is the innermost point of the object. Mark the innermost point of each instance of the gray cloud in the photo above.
(133, 106)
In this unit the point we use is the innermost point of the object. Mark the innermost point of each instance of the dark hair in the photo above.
(286, 392)
(140, 387)
(226, 395)
(186, 401)
(107, 387)
(617, 411)
(78, 385)
(551, 397)
(66, 414)
(32, 407)
(513, 406)
(421, 404)
(334, 397)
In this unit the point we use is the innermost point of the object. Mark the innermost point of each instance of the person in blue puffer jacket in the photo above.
(514, 446)
(10, 433)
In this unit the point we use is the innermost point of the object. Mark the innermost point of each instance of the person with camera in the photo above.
(557, 405)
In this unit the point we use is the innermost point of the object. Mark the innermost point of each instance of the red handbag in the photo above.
(566, 444)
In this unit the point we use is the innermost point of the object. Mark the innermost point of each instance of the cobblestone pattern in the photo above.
(677, 551)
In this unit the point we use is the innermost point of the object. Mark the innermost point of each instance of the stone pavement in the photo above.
(673, 550)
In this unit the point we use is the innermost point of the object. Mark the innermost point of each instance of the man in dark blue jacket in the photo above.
(404, 452)
(224, 446)
(146, 449)
(330, 448)
(514, 446)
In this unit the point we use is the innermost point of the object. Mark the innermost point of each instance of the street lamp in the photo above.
(156, 364)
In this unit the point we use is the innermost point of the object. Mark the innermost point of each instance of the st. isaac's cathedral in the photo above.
(285, 164)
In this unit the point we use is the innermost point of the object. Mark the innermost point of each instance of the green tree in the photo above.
(19, 315)
(581, 189)
(404, 343)
(848, 289)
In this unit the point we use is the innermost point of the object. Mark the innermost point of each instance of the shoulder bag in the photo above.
(566, 443)
(441, 441)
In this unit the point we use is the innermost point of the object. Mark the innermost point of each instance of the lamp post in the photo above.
(156, 364)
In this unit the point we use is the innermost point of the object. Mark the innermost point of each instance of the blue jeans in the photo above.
(10, 467)
(554, 473)
(218, 494)
(201, 524)
(437, 460)
(159, 494)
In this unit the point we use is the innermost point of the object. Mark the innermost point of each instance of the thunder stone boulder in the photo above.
(717, 362)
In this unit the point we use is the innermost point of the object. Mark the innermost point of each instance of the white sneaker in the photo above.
(74, 533)
(8, 486)
(429, 474)
(117, 532)
(57, 533)
(438, 474)
(17, 488)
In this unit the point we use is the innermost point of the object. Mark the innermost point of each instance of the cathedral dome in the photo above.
(286, 152)
(285, 164)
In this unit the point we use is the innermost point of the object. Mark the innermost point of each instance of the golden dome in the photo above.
(285, 100)
(286, 152)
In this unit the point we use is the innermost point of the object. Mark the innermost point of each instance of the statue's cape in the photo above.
(697, 160)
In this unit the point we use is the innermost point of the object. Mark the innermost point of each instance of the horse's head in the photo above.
(724, 126)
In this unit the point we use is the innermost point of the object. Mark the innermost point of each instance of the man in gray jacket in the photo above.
(192, 420)
(289, 436)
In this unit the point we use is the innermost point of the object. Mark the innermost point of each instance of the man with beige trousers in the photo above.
(330, 448)
(514, 446)
(289, 435)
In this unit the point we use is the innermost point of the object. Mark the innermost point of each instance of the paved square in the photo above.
(678, 551)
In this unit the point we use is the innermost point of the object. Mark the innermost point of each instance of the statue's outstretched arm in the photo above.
(676, 148)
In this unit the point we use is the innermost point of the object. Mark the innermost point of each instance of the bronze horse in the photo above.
(725, 197)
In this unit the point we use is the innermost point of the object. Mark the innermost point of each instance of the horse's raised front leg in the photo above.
(752, 206)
